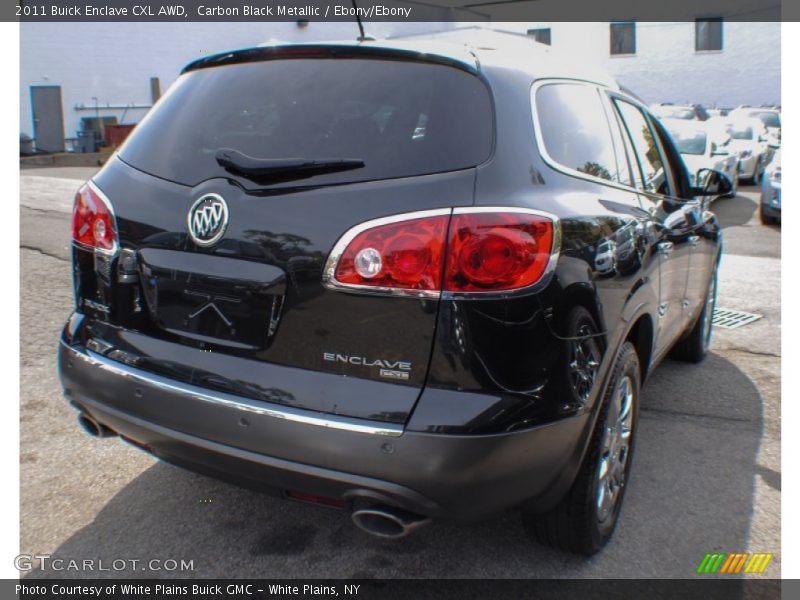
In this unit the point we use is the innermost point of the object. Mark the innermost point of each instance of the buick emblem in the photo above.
(208, 219)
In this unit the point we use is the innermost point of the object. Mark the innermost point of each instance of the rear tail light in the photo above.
(497, 251)
(93, 223)
(466, 251)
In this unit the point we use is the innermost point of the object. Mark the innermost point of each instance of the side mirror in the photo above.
(763, 138)
(712, 183)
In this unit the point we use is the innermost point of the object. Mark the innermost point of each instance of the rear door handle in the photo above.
(665, 248)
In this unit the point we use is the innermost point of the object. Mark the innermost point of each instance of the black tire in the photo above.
(575, 524)
(693, 347)
(765, 218)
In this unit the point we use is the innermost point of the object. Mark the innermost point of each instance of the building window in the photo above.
(708, 34)
(623, 38)
(541, 35)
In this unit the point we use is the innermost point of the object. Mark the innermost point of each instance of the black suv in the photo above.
(407, 279)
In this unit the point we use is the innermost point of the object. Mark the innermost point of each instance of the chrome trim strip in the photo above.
(329, 272)
(305, 417)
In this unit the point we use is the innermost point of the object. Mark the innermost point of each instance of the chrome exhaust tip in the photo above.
(93, 428)
(388, 522)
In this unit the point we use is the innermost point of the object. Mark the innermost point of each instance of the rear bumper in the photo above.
(748, 167)
(771, 199)
(283, 449)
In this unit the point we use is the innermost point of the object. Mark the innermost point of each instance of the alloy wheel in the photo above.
(615, 449)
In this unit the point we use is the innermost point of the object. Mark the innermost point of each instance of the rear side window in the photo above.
(769, 119)
(401, 118)
(655, 179)
(574, 129)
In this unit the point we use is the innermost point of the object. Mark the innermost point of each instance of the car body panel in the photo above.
(483, 421)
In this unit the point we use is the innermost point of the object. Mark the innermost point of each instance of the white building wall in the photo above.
(115, 61)
(666, 67)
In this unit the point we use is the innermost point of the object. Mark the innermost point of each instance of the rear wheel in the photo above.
(694, 346)
(585, 518)
(765, 218)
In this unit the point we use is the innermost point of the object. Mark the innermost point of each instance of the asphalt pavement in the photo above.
(706, 472)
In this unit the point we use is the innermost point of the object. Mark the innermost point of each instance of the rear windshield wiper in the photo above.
(282, 169)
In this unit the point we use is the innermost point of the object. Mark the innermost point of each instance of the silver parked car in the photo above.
(770, 202)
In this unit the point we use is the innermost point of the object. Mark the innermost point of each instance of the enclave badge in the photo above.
(208, 219)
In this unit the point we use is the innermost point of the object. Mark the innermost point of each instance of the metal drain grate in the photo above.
(727, 318)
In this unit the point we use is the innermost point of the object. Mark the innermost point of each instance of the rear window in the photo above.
(769, 119)
(741, 133)
(689, 141)
(400, 118)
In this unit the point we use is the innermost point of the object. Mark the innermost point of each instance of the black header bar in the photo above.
(398, 10)
(399, 589)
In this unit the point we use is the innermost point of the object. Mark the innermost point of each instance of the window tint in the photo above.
(401, 118)
(541, 35)
(689, 141)
(644, 144)
(623, 38)
(575, 130)
(708, 34)
(739, 132)
(769, 119)
(627, 176)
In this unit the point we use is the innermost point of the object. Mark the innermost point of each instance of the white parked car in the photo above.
(748, 136)
(605, 259)
(704, 146)
(769, 117)
(670, 111)
(717, 112)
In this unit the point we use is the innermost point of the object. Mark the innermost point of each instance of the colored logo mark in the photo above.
(734, 562)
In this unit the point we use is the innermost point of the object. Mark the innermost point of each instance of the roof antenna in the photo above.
(363, 37)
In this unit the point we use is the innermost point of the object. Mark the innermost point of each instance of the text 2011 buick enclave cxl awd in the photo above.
(411, 280)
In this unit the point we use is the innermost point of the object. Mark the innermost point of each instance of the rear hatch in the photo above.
(247, 312)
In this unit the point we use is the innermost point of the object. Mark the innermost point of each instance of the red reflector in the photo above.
(497, 251)
(315, 499)
(92, 220)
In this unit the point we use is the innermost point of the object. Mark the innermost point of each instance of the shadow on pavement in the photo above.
(735, 211)
(691, 492)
